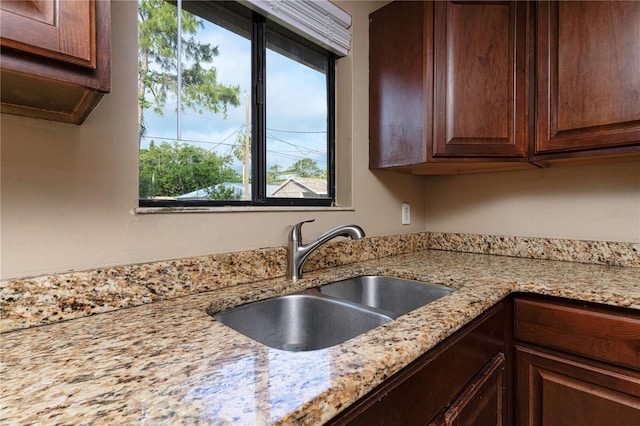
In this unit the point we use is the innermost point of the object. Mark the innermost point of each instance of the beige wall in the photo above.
(69, 192)
(588, 203)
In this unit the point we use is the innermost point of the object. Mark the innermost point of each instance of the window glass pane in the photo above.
(195, 112)
(296, 118)
(203, 157)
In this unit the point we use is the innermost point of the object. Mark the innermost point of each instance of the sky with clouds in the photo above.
(296, 106)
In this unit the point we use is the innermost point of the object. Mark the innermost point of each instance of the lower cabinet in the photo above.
(482, 402)
(464, 380)
(529, 360)
(555, 389)
(576, 364)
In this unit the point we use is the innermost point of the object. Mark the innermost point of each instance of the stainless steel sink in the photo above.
(396, 295)
(329, 315)
(301, 322)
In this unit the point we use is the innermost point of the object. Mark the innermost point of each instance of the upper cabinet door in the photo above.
(63, 30)
(400, 81)
(480, 79)
(588, 75)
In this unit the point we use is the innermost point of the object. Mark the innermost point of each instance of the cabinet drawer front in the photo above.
(601, 335)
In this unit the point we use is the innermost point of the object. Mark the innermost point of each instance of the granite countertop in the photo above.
(169, 362)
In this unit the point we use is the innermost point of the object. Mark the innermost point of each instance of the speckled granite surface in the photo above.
(36, 301)
(170, 363)
(30, 302)
(598, 252)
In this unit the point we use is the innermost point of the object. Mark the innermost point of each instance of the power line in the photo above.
(232, 133)
(300, 148)
(304, 152)
(188, 141)
(296, 131)
(216, 144)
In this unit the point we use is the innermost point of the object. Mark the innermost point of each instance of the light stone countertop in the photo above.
(170, 363)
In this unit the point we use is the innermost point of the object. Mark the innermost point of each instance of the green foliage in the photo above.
(306, 168)
(157, 47)
(273, 174)
(170, 170)
(239, 145)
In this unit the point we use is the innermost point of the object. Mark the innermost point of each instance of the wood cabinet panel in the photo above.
(400, 78)
(480, 99)
(481, 86)
(555, 390)
(482, 402)
(64, 30)
(576, 363)
(38, 83)
(588, 75)
(447, 87)
(598, 334)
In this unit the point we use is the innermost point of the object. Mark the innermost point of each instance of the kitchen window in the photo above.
(255, 124)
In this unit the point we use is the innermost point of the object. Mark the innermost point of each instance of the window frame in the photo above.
(259, 197)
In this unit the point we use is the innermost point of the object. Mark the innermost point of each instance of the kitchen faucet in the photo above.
(299, 252)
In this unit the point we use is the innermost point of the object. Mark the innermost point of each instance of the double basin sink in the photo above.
(325, 316)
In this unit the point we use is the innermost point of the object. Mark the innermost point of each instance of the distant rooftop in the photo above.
(293, 187)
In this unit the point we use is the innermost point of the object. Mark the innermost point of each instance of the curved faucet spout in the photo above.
(299, 252)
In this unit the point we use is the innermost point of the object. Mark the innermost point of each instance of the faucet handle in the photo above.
(296, 231)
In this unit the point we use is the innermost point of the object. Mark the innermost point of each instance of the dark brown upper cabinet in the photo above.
(400, 84)
(58, 30)
(471, 86)
(448, 86)
(588, 77)
(479, 76)
(55, 57)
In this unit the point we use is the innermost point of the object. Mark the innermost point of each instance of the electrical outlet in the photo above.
(406, 214)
